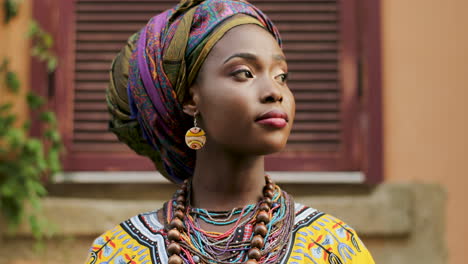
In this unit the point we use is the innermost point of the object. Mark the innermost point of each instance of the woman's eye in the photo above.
(282, 77)
(243, 74)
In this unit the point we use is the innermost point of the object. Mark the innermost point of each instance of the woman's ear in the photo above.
(190, 105)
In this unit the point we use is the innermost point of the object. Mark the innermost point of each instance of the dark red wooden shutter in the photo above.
(320, 40)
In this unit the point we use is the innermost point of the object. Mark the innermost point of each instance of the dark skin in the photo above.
(240, 80)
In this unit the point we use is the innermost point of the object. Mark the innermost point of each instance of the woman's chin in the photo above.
(275, 149)
(252, 146)
(268, 148)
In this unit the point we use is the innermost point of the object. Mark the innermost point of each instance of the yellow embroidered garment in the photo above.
(317, 238)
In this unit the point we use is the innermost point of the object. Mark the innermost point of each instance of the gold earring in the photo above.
(195, 137)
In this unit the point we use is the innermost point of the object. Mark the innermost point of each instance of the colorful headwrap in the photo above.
(151, 75)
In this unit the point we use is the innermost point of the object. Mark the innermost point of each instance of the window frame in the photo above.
(363, 145)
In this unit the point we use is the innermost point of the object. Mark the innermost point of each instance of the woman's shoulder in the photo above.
(322, 238)
(138, 239)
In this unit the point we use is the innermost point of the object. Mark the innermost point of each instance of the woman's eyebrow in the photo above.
(253, 57)
(247, 56)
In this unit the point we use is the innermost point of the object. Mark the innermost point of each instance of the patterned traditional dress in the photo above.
(317, 238)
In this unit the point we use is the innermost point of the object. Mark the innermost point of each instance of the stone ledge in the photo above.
(386, 211)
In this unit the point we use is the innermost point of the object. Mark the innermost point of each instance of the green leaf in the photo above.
(43, 56)
(48, 116)
(52, 64)
(47, 40)
(40, 190)
(52, 135)
(7, 190)
(35, 227)
(33, 146)
(36, 203)
(34, 101)
(13, 210)
(58, 145)
(5, 107)
(41, 163)
(11, 10)
(7, 125)
(15, 138)
(12, 82)
(36, 51)
(54, 161)
(27, 125)
(33, 28)
(9, 120)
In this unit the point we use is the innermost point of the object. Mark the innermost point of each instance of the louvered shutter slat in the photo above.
(95, 56)
(90, 126)
(89, 96)
(86, 86)
(81, 116)
(111, 147)
(92, 137)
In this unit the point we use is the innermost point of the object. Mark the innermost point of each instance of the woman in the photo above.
(214, 66)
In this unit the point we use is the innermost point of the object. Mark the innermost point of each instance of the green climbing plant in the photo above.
(11, 9)
(27, 161)
(42, 48)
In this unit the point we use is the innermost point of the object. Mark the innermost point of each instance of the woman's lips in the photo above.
(274, 122)
(273, 118)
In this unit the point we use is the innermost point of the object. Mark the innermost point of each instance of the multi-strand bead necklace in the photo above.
(267, 226)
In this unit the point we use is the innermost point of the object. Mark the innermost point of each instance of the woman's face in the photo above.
(241, 93)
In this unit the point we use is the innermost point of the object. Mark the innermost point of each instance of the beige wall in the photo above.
(425, 72)
(15, 46)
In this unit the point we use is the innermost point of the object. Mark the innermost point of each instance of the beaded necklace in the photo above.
(267, 226)
(215, 218)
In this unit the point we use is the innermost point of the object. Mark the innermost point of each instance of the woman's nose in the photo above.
(271, 93)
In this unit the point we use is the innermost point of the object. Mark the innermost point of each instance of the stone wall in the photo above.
(400, 223)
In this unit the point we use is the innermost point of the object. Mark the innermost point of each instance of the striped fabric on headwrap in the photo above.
(151, 75)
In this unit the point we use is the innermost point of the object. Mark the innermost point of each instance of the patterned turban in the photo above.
(151, 75)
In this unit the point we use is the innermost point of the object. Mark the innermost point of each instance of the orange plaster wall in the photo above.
(425, 73)
(15, 46)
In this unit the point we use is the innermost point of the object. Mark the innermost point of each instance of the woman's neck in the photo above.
(223, 180)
